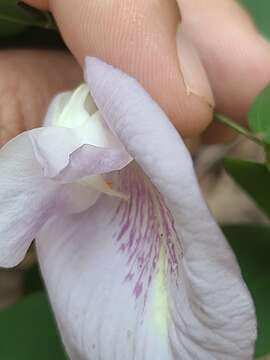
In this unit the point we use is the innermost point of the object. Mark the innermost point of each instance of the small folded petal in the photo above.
(76, 141)
(28, 200)
(151, 277)
(66, 155)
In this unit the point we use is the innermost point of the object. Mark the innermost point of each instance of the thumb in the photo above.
(139, 37)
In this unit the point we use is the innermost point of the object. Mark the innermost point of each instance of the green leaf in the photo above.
(15, 17)
(260, 10)
(259, 115)
(251, 245)
(28, 331)
(254, 178)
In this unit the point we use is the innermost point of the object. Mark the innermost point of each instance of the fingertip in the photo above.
(191, 116)
(218, 133)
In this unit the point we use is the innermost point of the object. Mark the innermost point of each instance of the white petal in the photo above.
(21, 196)
(71, 109)
(76, 140)
(28, 200)
(98, 183)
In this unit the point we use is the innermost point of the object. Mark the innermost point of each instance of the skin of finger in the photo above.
(29, 79)
(139, 38)
(235, 56)
(40, 4)
(218, 133)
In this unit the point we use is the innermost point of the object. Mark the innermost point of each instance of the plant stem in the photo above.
(248, 134)
(238, 128)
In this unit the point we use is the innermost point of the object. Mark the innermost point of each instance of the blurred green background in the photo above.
(260, 10)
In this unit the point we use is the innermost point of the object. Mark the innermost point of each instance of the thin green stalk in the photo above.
(238, 128)
(248, 134)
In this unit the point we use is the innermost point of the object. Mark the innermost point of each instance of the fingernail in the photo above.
(192, 69)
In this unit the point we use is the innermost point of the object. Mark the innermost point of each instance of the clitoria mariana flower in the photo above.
(135, 266)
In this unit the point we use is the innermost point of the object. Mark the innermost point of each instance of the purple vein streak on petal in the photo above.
(145, 223)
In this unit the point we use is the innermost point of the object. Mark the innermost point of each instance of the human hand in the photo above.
(139, 37)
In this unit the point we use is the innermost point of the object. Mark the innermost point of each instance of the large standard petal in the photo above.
(216, 296)
(28, 200)
(151, 277)
(98, 266)
(216, 299)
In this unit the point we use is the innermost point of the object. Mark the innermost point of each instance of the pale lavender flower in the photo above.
(135, 266)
